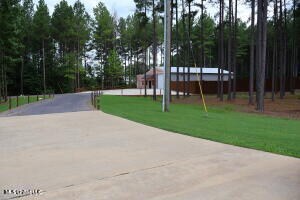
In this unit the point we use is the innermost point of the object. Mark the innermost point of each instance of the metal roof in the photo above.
(194, 70)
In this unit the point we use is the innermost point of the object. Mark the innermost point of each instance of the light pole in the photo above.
(167, 39)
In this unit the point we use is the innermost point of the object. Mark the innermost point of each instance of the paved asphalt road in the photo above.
(60, 104)
(91, 155)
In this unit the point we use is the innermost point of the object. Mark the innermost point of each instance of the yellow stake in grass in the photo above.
(200, 86)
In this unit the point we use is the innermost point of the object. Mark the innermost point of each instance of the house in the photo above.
(149, 78)
(208, 75)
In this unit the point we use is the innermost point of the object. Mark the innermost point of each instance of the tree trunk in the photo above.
(202, 43)
(293, 65)
(154, 50)
(252, 57)
(44, 68)
(222, 50)
(22, 75)
(183, 51)
(284, 49)
(78, 63)
(1, 80)
(229, 51)
(177, 52)
(281, 51)
(130, 68)
(274, 65)
(75, 66)
(189, 49)
(235, 50)
(145, 72)
(125, 69)
(262, 7)
(4, 78)
(219, 52)
(258, 53)
(137, 64)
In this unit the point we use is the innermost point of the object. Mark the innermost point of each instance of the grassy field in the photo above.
(22, 101)
(223, 124)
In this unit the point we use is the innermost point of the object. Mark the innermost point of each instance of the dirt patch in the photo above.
(288, 107)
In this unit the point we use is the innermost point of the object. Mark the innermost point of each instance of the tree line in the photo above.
(71, 49)
(40, 53)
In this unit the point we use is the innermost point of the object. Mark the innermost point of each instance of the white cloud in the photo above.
(122, 8)
(125, 7)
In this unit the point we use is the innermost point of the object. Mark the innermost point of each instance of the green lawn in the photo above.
(223, 124)
(22, 100)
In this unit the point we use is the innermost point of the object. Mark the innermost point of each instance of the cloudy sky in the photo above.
(122, 7)
(125, 7)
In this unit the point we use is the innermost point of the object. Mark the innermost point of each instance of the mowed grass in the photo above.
(22, 101)
(223, 124)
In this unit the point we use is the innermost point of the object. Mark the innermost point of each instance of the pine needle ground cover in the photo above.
(223, 124)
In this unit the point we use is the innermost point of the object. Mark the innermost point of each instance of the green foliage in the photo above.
(41, 23)
(63, 24)
(81, 25)
(103, 31)
(25, 32)
(10, 44)
(114, 67)
(209, 39)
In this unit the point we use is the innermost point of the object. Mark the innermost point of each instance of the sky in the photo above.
(125, 7)
(121, 7)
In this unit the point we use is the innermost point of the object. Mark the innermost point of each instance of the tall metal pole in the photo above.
(167, 39)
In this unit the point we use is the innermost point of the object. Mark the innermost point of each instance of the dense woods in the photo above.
(70, 50)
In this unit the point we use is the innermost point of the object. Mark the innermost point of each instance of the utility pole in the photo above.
(167, 39)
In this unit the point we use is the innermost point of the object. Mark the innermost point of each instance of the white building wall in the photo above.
(193, 77)
(160, 81)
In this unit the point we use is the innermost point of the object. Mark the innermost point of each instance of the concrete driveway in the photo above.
(93, 155)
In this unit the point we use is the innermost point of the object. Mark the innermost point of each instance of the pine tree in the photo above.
(82, 32)
(64, 35)
(103, 40)
(41, 30)
(27, 12)
(10, 44)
